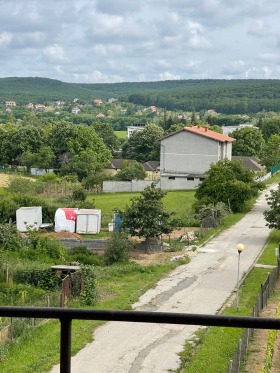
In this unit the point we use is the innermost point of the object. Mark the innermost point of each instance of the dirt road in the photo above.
(202, 286)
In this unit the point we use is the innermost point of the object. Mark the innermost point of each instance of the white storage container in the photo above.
(88, 221)
(65, 220)
(29, 218)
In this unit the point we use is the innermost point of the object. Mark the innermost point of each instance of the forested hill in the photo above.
(225, 96)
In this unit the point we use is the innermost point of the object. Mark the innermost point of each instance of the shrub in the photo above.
(89, 293)
(83, 255)
(21, 185)
(38, 277)
(41, 247)
(117, 249)
(10, 238)
(79, 194)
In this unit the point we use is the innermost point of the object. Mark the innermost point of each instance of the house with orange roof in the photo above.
(187, 154)
(97, 102)
(10, 103)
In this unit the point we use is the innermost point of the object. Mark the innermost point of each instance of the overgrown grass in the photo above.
(119, 286)
(217, 346)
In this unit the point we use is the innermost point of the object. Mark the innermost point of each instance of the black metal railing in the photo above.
(67, 315)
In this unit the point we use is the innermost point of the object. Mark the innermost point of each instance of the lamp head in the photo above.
(240, 247)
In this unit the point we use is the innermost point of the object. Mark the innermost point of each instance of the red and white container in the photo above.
(65, 220)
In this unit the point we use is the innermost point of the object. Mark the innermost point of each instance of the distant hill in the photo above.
(226, 96)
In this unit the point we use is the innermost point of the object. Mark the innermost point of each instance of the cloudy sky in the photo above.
(101, 41)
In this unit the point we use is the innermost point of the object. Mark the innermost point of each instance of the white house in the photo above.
(187, 154)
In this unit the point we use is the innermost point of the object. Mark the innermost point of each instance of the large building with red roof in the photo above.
(187, 154)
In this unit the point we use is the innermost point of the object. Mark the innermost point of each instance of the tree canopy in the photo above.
(144, 145)
(249, 142)
(147, 216)
(272, 216)
(229, 182)
(131, 171)
(271, 153)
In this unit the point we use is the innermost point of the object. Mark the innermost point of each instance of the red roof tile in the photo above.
(204, 131)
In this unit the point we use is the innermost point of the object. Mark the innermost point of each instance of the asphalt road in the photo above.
(202, 286)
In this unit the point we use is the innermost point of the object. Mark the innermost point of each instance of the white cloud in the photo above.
(5, 39)
(109, 40)
(167, 75)
(259, 29)
(54, 53)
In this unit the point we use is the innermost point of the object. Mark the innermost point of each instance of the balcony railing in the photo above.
(67, 315)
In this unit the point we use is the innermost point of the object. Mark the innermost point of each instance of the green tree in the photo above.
(249, 142)
(271, 153)
(144, 145)
(107, 134)
(270, 126)
(228, 182)
(131, 171)
(78, 143)
(147, 216)
(44, 158)
(272, 216)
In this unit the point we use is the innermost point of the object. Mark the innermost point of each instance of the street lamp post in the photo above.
(239, 248)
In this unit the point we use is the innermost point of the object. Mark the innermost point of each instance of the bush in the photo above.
(38, 277)
(10, 238)
(83, 255)
(79, 194)
(21, 185)
(117, 249)
(89, 293)
(41, 247)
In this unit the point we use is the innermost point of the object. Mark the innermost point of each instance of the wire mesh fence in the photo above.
(241, 350)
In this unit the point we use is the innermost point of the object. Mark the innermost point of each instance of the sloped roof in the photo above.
(117, 163)
(151, 165)
(249, 162)
(204, 131)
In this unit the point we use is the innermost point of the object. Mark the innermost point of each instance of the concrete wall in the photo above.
(188, 153)
(125, 186)
(178, 183)
(92, 244)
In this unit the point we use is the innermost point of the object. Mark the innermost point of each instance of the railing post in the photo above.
(65, 345)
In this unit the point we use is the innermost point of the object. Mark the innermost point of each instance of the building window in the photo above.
(190, 178)
(171, 178)
(201, 179)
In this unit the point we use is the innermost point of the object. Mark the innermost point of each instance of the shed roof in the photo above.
(151, 165)
(249, 162)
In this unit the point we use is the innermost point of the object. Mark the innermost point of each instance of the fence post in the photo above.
(239, 354)
(261, 305)
(230, 366)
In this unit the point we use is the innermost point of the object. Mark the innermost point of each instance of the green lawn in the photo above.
(121, 134)
(178, 201)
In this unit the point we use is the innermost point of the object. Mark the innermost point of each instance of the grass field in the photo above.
(121, 134)
(179, 202)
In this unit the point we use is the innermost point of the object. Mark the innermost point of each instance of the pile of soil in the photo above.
(63, 235)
